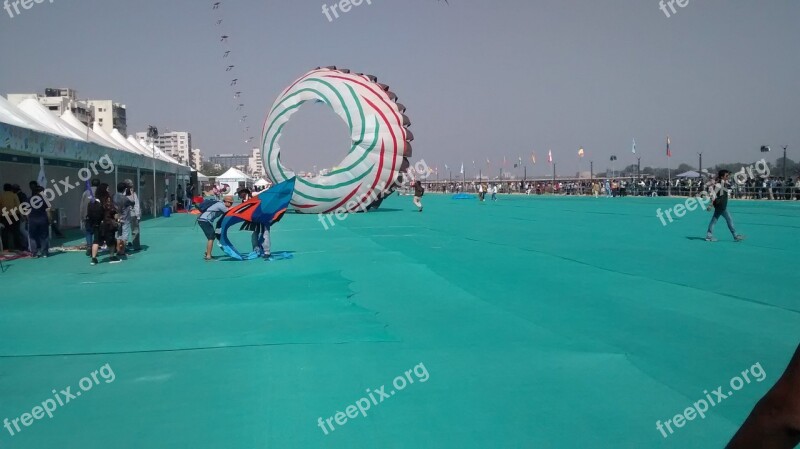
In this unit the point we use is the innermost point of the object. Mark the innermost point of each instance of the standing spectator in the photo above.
(136, 216)
(9, 207)
(418, 192)
(124, 206)
(88, 196)
(39, 221)
(181, 204)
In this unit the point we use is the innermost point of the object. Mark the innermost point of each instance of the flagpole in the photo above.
(669, 171)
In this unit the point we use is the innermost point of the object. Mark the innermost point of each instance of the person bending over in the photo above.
(207, 219)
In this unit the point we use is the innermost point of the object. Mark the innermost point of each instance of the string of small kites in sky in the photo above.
(229, 60)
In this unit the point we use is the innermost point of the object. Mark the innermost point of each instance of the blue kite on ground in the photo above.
(258, 214)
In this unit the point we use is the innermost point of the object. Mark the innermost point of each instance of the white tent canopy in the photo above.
(233, 177)
(73, 121)
(141, 148)
(689, 174)
(49, 121)
(159, 154)
(202, 177)
(104, 135)
(14, 116)
(123, 142)
(262, 183)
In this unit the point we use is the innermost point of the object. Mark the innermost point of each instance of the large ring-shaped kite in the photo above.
(378, 129)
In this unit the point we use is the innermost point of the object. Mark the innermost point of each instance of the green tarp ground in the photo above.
(539, 323)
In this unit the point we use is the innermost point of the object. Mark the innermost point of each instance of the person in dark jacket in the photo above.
(418, 192)
(720, 205)
(39, 224)
(102, 219)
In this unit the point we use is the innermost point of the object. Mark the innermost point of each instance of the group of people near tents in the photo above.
(111, 220)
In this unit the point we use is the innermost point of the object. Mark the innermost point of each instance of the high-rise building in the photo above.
(177, 144)
(197, 159)
(110, 115)
(255, 165)
(225, 161)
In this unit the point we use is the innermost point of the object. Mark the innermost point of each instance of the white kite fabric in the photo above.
(378, 129)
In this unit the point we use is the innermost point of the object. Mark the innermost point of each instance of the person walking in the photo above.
(87, 197)
(494, 192)
(135, 218)
(418, 192)
(102, 219)
(39, 224)
(124, 207)
(720, 205)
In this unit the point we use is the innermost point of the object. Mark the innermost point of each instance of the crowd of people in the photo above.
(111, 220)
(27, 220)
(753, 188)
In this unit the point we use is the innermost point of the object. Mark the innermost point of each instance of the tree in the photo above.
(212, 170)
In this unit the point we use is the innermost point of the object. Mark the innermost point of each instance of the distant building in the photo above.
(225, 161)
(177, 144)
(108, 114)
(59, 101)
(197, 159)
(255, 165)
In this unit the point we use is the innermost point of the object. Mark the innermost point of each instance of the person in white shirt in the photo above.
(88, 195)
(136, 217)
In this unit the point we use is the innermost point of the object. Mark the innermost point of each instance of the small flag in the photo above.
(42, 178)
(446, 167)
(550, 156)
(487, 161)
(633, 150)
(462, 167)
(533, 158)
(580, 152)
(669, 153)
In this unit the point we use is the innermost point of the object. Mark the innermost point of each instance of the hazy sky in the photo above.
(480, 79)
